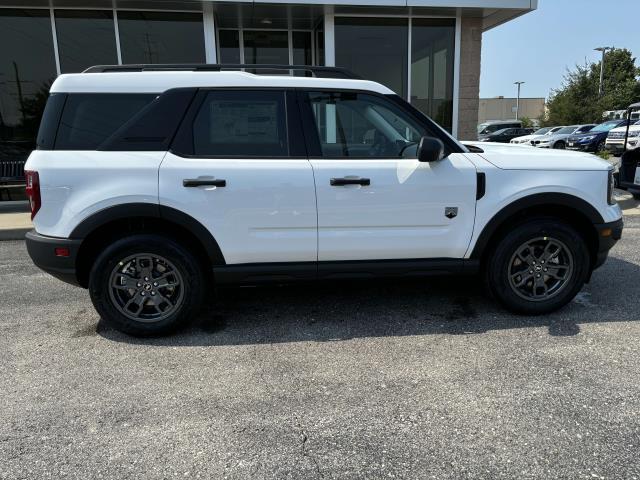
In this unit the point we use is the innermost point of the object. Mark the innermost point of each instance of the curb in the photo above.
(13, 233)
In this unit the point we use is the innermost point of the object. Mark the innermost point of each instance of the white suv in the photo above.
(150, 186)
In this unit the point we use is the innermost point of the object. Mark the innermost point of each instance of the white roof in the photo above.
(159, 81)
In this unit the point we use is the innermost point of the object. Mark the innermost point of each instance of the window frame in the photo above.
(182, 144)
(312, 137)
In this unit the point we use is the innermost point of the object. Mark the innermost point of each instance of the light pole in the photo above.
(603, 50)
(518, 99)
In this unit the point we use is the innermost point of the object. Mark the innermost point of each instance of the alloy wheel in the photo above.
(146, 287)
(540, 269)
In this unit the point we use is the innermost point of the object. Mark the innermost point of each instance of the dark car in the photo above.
(505, 135)
(593, 140)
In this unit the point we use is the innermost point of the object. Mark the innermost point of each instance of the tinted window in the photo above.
(161, 37)
(229, 45)
(361, 125)
(76, 29)
(89, 119)
(241, 123)
(432, 60)
(27, 69)
(375, 49)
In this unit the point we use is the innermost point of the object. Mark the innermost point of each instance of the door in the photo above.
(234, 168)
(375, 199)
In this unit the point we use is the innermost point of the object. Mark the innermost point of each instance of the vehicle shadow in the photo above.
(321, 312)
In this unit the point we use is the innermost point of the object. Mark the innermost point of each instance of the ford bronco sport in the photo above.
(152, 184)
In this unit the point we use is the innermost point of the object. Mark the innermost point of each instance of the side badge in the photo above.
(450, 212)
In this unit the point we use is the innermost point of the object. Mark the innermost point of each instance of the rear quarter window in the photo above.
(88, 119)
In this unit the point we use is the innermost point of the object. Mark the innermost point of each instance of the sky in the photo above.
(538, 47)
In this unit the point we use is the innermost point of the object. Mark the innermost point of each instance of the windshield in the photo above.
(605, 127)
(566, 130)
(542, 131)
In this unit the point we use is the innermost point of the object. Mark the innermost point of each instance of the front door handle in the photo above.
(339, 182)
(204, 182)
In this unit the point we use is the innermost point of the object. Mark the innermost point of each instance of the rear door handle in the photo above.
(339, 182)
(204, 182)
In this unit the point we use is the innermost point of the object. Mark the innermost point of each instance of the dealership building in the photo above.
(427, 51)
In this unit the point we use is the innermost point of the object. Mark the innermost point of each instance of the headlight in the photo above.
(610, 188)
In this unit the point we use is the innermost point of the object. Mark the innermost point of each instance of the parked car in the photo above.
(595, 139)
(615, 138)
(526, 139)
(559, 139)
(151, 187)
(505, 135)
(628, 175)
(487, 128)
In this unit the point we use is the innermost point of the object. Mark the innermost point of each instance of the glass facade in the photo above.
(412, 56)
(229, 46)
(266, 47)
(76, 29)
(375, 49)
(27, 68)
(432, 57)
(159, 37)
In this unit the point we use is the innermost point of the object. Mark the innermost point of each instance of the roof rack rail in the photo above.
(313, 71)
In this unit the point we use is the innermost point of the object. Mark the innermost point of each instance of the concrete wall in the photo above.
(504, 108)
(470, 52)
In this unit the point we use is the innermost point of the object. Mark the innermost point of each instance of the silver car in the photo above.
(559, 138)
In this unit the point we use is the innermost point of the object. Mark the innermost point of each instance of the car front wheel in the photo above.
(538, 267)
(146, 285)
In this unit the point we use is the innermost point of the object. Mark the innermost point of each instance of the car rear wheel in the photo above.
(538, 267)
(146, 285)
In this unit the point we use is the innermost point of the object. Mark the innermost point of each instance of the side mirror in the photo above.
(430, 149)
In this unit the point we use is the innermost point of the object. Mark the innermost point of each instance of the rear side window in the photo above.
(90, 118)
(241, 124)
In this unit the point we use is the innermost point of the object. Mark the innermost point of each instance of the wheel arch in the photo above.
(574, 210)
(118, 221)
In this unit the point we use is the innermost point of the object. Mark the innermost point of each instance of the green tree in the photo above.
(526, 122)
(578, 101)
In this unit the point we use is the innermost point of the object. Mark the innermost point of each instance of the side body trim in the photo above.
(259, 273)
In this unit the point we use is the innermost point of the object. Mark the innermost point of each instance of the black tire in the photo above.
(502, 262)
(559, 145)
(174, 304)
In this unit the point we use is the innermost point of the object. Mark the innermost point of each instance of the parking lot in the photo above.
(405, 380)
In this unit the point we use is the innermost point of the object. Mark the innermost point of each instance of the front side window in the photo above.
(361, 125)
(241, 124)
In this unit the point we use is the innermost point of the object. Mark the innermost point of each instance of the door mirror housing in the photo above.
(430, 149)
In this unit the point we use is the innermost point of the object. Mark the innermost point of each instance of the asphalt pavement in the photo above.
(427, 379)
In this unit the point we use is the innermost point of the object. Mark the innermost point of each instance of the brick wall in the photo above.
(470, 50)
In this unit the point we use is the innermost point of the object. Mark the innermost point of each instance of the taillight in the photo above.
(33, 191)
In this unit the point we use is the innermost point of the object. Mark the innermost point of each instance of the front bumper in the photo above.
(583, 147)
(42, 250)
(608, 236)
